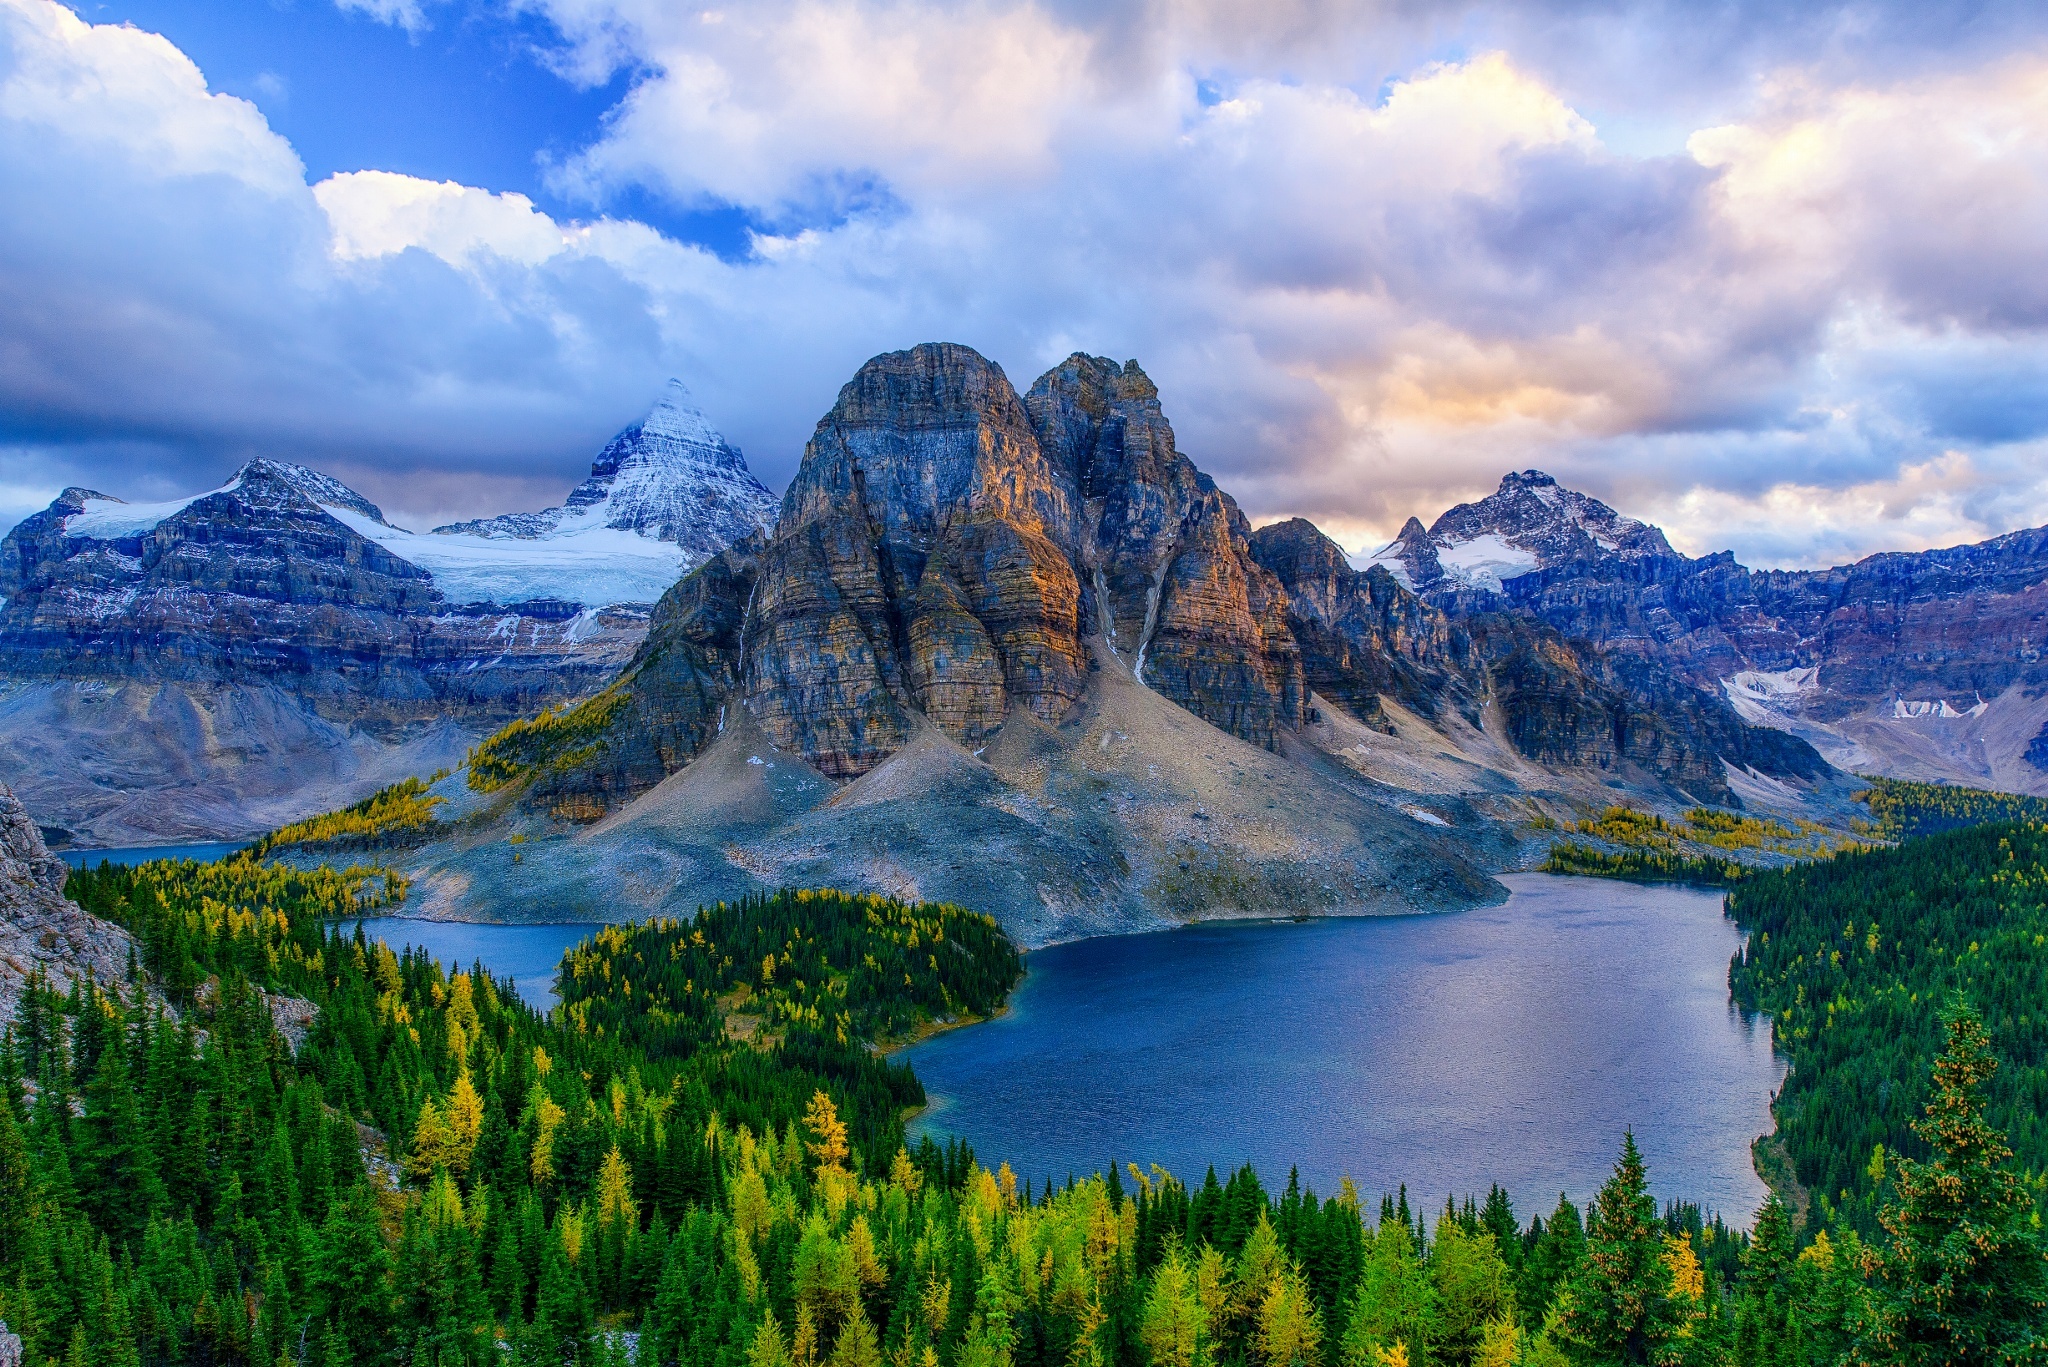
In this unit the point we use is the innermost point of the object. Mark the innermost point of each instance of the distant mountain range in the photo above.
(1924, 665)
(214, 664)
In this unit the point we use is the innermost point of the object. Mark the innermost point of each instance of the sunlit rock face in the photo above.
(946, 547)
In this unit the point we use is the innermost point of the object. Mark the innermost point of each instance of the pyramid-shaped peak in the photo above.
(676, 417)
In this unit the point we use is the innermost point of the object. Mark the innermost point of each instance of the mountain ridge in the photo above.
(1912, 664)
(276, 646)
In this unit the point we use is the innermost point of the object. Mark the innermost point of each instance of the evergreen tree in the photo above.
(1553, 1257)
(1618, 1307)
(1963, 1279)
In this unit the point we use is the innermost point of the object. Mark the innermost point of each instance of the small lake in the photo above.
(527, 954)
(1511, 1044)
(142, 854)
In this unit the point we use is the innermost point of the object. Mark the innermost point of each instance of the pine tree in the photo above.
(119, 1166)
(1553, 1258)
(1618, 1307)
(1763, 1333)
(1963, 1279)
(1395, 1306)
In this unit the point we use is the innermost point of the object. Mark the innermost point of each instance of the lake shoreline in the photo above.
(1512, 1043)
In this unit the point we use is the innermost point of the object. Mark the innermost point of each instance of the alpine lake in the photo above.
(1511, 1044)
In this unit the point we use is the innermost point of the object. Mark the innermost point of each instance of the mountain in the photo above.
(669, 477)
(1925, 665)
(211, 665)
(1529, 523)
(1017, 651)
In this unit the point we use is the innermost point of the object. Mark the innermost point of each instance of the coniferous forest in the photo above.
(698, 1158)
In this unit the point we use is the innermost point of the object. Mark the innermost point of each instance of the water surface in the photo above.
(1511, 1044)
(528, 954)
(141, 854)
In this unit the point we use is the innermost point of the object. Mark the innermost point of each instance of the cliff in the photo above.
(1019, 651)
(40, 929)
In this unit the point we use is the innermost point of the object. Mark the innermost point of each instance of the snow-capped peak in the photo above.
(669, 477)
(1531, 522)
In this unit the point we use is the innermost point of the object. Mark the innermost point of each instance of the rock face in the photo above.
(1559, 702)
(39, 927)
(948, 552)
(944, 553)
(212, 666)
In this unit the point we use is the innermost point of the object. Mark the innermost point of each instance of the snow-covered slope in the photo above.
(594, 566)
(669, 477)
(663, 496)
(1529, 523)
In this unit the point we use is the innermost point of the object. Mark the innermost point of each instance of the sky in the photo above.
(1774, 277)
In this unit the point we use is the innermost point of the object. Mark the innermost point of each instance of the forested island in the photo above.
(698, 1158)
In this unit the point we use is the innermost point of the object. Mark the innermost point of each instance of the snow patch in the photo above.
(109, 519)
(1905, 710)
(1485, 562)
(594, 566)
(1769, 697)
(1427, 818)
(1389, 558)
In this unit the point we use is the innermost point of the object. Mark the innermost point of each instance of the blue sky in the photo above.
(1776, 279)
(471, 98)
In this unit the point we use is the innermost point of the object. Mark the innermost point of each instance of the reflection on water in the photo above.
(528, 954)
(1510, 1044)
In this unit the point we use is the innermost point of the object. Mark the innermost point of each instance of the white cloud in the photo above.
(409, 15)
(381, 213)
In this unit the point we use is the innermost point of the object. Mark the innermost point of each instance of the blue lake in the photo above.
(527, 954)
(142, 854)
(1511, 1044)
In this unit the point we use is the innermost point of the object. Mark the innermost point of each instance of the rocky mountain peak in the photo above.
(935, 433)
(669, 477)
(1530, 522)
(264, 477)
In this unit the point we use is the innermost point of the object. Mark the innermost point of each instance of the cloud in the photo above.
(1374, 255)
(409, 15)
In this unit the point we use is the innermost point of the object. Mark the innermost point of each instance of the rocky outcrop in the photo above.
(943, 557)
(40, 929)
(1561, 703)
